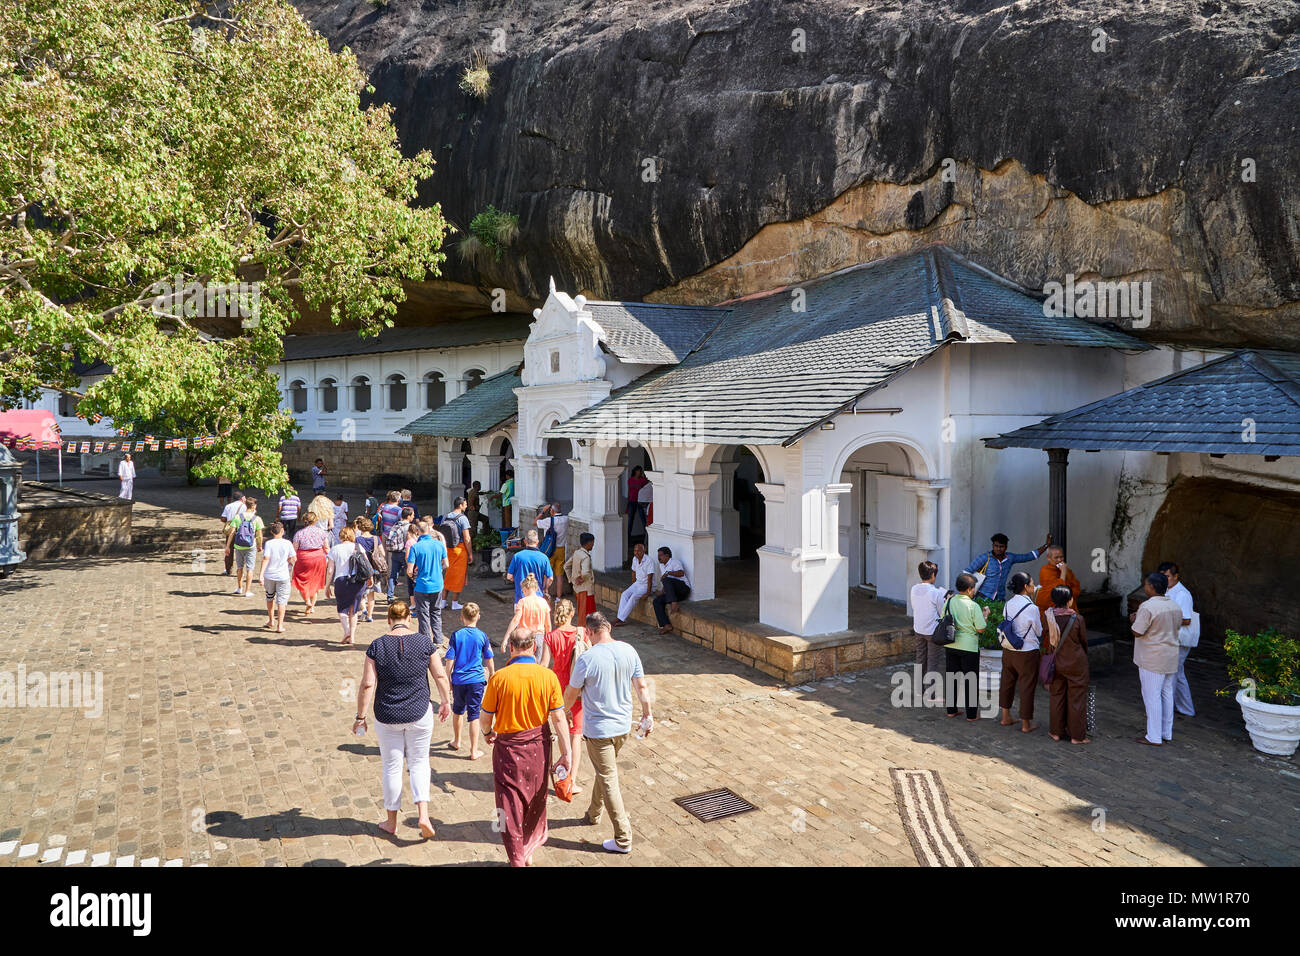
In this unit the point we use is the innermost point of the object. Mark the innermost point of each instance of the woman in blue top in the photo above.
(396, 679)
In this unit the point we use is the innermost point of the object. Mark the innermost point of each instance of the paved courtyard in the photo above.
(223, 744)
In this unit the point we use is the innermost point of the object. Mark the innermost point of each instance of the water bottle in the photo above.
(561, 773)
(641, 728)
(361, 730)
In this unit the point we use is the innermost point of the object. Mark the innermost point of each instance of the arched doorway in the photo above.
(636, 461)
(559, 473)
(465, 472)
(878, 519)
(737, 513)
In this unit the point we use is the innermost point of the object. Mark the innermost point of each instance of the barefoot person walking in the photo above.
(560, 649)
(312, 544)
(469, 661)
(340, 584)
(396, 679)
(522, 708)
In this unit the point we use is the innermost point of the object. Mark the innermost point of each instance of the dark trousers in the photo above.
(478, 519)
(396, 568)
(961, 685)
(1019, 676)
(675, 591)
(290, 527)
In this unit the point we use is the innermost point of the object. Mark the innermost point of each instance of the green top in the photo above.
(258, 528)
(970, 622)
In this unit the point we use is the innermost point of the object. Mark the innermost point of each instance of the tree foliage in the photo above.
(148, 141)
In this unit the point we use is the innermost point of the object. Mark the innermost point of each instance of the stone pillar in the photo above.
(804, 589)
(530, 486)
(1058, 460)
(603, 517)
(449, 472)
(724, 519)
(685, 527)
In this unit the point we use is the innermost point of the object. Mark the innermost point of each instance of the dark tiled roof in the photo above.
(484, 330)
(490, 403)
(1202, 409)
(651, 334)
(767, 374)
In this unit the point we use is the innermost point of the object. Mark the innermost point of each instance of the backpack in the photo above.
(246, 533)
(395, 540)
(378, 558)
(580, 644)
(547, 547)
(450, 532)
(360, 569)
(1007, 636)
(946, 630)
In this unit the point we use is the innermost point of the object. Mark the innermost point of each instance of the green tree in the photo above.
(150, 148)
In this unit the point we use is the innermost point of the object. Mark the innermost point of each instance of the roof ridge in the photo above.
(947, 290)
(650, 305)
(1284, 382)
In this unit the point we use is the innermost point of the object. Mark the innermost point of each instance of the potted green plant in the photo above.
(1266, 667)
(990, 675)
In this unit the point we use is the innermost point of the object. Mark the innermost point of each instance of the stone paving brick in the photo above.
(224, 745)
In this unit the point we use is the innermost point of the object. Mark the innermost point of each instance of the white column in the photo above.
(530, 483)
(724, 519)
(603, 517)
(928, 545)
(449, 472)
(804, 590)
(685, 527)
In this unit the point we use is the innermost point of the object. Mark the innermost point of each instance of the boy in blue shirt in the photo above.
(467, 652)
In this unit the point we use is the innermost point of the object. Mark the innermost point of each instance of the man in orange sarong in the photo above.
(1052, 574)
(459, 553)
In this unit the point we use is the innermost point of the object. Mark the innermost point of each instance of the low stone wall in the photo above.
(60, 522)
(787, 657)
(356, 463)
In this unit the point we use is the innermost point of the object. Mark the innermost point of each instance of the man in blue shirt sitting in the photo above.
(996, 565)
(426, 560)
(526, 560)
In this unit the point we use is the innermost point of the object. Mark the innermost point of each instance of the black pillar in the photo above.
(1057, 461)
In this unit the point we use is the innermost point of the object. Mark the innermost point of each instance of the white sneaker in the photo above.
(612, 846)
(456, 605)
(239, 592)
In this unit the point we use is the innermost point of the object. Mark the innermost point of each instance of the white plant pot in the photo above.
(1273, 728)
(990, 679)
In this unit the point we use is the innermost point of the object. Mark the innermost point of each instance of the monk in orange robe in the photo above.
(1052, 574)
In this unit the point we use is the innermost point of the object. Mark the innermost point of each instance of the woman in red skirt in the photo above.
(309, 569)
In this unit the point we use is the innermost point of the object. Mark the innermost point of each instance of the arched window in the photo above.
(435, 391)
(298, 396)
(396, 393)
(361, 394)
(329, 395)
(68, 405)
(473, 377)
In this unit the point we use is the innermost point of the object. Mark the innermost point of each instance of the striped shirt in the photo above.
(289, 507)
(389, 515)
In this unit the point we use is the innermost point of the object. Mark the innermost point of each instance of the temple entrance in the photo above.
(638, 515)
(559, 473)
(737, 515)
(878, 520)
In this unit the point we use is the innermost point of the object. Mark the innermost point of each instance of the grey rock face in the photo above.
(642, 145)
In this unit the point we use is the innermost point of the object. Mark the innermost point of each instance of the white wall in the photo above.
(381, 422)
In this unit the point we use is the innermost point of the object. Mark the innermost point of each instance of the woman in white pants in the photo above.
(644, 568)
(396, 680)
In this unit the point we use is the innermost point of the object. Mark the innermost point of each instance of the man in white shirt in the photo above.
(644, 569)
(126, 475)
(231, 511)
(1187, 638)
(676, 586)
(1155, 652)
(927, 608)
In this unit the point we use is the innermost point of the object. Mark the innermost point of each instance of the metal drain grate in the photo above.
(715, 804)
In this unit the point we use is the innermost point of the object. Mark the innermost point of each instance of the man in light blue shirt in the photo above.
(605, 676)
(996, 565)
(425, 563)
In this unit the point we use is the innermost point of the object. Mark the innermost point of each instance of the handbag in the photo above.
(980, 575)
(945, 632)
(360, 570)
(1047, 663)
(580, 644)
